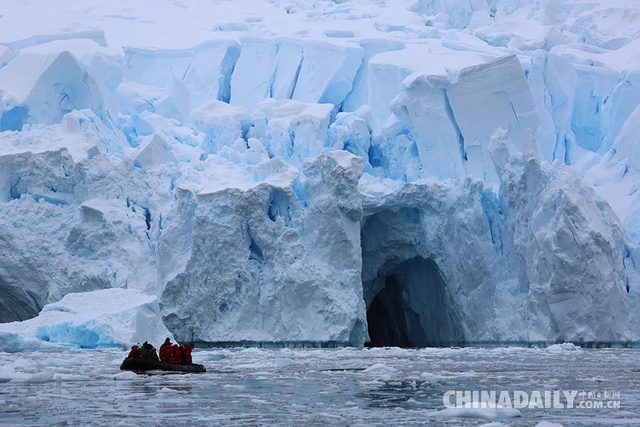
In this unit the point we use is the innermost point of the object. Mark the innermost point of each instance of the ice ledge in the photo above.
(103, 318)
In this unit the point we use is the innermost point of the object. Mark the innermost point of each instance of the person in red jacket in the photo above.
(134, 353)
(176, 354)
(165, 351)
(186, 355)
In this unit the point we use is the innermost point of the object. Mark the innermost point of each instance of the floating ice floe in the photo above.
(103, 318)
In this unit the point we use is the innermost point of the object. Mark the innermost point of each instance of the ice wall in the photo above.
(265, 183)
(519, 245)
(265, 264)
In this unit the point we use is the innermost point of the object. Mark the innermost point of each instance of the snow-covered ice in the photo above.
(104, 318)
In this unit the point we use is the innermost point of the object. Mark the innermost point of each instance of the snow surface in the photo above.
(258, 171)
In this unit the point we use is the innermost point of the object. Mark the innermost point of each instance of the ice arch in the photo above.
(406, 295)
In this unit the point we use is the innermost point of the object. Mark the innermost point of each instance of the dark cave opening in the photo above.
(386, 318)
(411, 308)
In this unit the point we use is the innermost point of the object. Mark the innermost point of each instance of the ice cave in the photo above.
(407, 300)
(412, 308)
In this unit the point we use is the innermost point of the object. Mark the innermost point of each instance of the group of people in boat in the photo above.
(169, 352)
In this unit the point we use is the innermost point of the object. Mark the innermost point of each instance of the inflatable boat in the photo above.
(141, 366)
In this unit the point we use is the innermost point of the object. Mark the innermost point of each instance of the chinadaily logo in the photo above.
(536, 399)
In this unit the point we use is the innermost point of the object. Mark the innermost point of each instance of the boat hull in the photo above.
(139, 365)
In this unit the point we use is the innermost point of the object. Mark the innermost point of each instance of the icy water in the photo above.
(311, 387)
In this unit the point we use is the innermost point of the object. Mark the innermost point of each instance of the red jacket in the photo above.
(134, 353)
(176, 354)
(165, 352)
(187, 354)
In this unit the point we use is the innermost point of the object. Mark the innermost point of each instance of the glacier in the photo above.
(413, 173)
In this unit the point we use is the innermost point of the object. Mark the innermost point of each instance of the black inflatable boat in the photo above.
(140, 366)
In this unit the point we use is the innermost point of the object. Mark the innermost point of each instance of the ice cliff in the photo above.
(405, 172)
